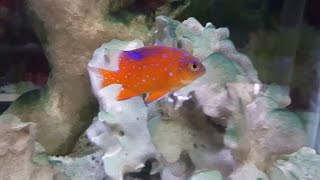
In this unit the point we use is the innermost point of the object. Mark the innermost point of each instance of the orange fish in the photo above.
(152, 70)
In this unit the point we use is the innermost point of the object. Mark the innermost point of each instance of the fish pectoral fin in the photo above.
(152, 96)
(127, 94)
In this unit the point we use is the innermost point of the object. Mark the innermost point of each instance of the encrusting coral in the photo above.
(225, 121)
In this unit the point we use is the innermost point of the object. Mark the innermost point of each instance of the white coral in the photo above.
(121, 127)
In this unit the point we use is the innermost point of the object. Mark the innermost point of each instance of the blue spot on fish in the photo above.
(164, 55)
(134, 55)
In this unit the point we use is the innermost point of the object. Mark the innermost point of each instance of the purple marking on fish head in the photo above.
(164, 55)
(182, 60)
(133, 55)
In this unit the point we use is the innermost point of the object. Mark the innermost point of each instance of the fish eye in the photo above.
(194, 66)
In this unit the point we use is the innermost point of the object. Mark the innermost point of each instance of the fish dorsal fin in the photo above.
(127, 94)
(155, 95)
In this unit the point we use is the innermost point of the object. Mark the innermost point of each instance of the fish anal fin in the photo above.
(127, 94)
(155, 95)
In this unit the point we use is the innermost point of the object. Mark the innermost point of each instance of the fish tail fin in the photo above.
(101, 78)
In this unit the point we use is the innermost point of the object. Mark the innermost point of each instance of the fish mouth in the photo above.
(185, 82)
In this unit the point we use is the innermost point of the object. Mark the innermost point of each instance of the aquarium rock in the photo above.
(303, 164)
(212, 175)
(201, 41)
(70, 30)
(83, 168)
(121, 126)
(172, 8)
(18, 88)
(21, 157)
(271, 128)
(224, 124)
(249, 172)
